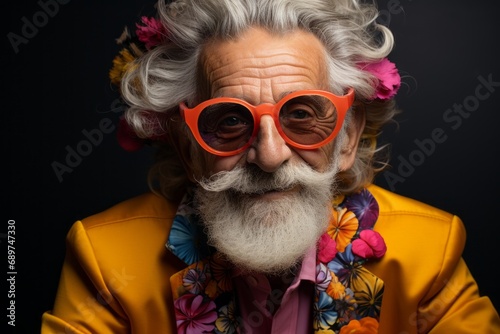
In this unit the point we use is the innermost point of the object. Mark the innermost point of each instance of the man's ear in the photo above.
(354, 131)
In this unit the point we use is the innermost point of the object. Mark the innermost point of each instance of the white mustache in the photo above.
(252, 180)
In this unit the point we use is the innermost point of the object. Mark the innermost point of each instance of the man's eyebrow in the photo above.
(283, 94)
(247, 99)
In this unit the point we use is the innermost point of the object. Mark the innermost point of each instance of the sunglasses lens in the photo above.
(226, 126)
(308, 119)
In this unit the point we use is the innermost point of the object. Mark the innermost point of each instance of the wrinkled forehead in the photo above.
(259, 60)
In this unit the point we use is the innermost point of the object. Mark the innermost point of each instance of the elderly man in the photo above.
(263, 217)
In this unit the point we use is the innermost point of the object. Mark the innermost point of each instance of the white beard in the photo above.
(262, 235)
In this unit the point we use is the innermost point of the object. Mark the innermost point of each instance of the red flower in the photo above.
(151, 33)
(327, 248)
(370, 244)
(127, 138)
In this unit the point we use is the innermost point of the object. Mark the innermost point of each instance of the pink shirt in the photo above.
(257, 303)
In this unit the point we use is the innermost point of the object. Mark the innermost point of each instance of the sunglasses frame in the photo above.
(191, 116)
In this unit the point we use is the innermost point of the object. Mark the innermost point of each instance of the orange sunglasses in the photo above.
(306, 119)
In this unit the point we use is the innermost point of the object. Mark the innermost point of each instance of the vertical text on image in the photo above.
(11, 272)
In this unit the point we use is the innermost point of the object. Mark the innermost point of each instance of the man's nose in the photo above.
(269, 150)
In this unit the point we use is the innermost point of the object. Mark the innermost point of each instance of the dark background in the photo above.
(57, 90)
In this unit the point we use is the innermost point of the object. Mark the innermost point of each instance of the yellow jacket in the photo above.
(115, 278)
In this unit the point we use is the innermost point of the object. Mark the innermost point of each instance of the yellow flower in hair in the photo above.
(121, 64)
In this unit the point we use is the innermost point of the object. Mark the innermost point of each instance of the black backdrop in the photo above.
(59, 101)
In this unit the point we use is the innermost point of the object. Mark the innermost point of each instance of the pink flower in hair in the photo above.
(151, 32)
(369, 245)
(388, 77)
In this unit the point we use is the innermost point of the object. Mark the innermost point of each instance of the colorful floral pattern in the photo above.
(346, 292)
(366, 325)
(343, 227)
(194, 314)
(186, 239)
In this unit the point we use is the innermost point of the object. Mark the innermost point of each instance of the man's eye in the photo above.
(296, 112)
(233, 121)
(299, 113)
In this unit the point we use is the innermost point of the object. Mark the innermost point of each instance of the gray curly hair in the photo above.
(168, 74)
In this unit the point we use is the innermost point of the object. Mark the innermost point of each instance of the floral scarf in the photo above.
(347, 299)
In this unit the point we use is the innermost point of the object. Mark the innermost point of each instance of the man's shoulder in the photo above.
(144, 207)
(407, 223)
(135, 229)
